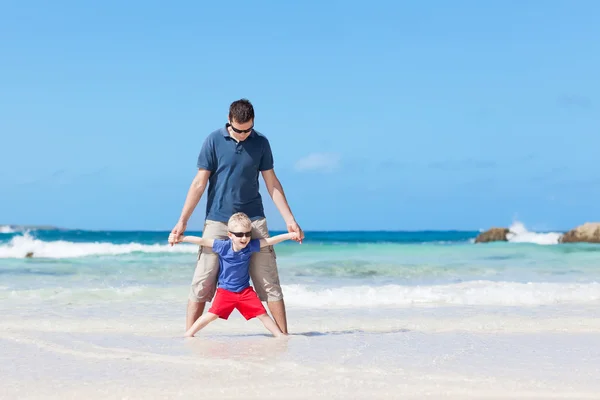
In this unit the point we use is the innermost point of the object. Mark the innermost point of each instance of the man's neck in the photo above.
(231, 135)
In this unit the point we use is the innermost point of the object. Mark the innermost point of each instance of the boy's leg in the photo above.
(204, 281)
(270, 325)
(194, 311)
(222, 306)
(201, 323)
(265, 277)
(249, 306)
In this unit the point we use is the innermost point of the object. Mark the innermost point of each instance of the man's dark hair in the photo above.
(241, 111)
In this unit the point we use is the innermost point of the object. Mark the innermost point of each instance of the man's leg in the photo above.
(277, 309)
(265, 277)
(194, 311)
(204, 282)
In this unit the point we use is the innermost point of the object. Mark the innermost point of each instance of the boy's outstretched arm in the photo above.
(191, 239)
(270, 241)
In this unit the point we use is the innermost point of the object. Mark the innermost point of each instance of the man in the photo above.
(229, 162)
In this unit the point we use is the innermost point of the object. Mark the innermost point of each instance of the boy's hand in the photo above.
(294, 235)
(174, 239)
(177, 232)
(293, 227)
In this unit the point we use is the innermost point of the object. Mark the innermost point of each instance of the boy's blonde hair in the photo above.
(240, 219)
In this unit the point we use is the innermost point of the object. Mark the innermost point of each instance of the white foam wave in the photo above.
(19, 246)
(6, 229)
(519, 234)
(87, 295)
(476, 293)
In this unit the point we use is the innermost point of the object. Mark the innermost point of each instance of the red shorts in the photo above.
(246, 301)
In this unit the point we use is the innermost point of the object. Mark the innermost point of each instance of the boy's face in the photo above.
(240, 234)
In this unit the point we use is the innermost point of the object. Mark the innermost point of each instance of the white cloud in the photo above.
(324, 162)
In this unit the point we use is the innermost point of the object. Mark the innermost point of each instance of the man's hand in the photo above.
(174, 239)
(294, 227)
(294, 236)
(177, 232)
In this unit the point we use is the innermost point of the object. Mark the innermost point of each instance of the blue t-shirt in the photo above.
(233, 183)
(234, 266)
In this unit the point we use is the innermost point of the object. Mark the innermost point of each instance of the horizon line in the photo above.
(57, 228)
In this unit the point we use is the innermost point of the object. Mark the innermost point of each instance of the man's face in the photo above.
(240, 131)
(240, 235)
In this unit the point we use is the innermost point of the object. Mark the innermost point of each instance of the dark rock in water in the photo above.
(29, 254)
(586, 233)
(492, 235)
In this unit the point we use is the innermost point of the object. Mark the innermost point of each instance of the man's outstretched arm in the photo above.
(191, 201)
(276, 192)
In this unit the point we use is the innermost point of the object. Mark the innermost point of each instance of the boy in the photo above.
(233, 287)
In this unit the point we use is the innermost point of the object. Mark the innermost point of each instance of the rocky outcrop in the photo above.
(588, 233)
(492, 235)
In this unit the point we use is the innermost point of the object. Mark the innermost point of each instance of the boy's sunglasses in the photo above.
(241, 130)
(241, 234)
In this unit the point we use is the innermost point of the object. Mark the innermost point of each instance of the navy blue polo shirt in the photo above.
(233, 183)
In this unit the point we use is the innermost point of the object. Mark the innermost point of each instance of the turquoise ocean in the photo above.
(328, 270)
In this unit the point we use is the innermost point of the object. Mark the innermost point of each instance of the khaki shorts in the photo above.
(263, 265)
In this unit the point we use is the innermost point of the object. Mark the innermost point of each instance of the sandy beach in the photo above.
(455, 353)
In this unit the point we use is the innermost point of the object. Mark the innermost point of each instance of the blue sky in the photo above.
(381, 115)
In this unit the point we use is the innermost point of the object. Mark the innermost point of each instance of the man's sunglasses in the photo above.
(242, 131)
(241, 234)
